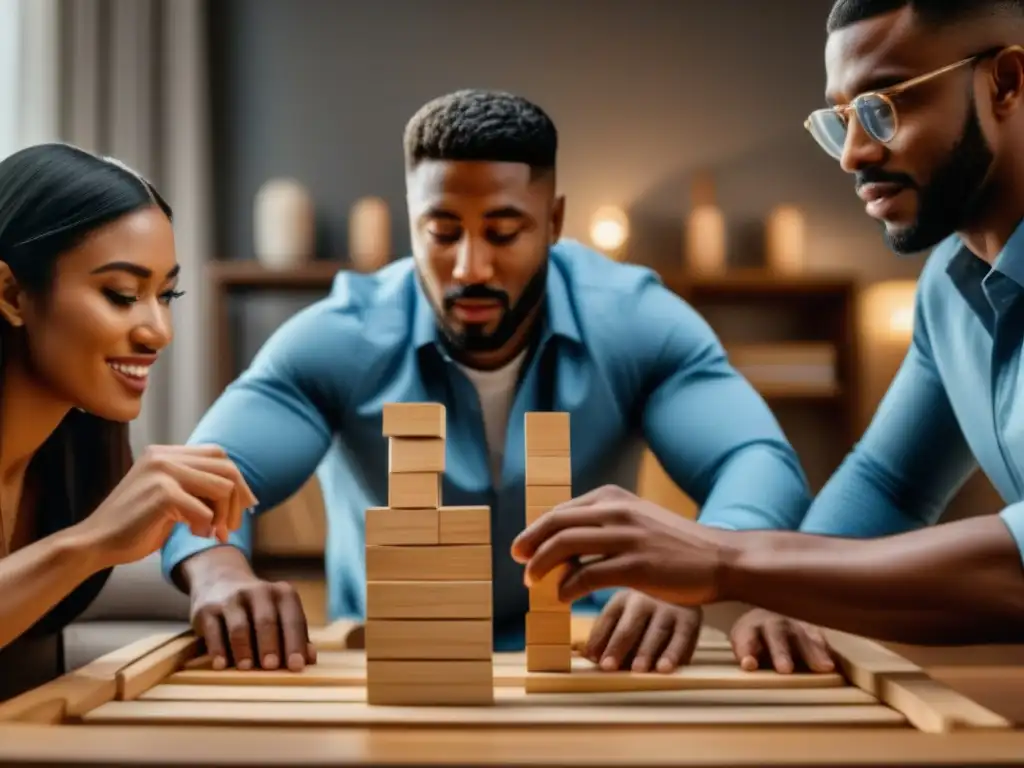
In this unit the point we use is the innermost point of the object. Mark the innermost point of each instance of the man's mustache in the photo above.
(878, 176)
(478, 292)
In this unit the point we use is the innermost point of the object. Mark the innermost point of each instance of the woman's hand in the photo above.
(613, 538)
(196, 485)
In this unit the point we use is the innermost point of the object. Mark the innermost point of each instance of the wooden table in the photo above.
(158, 702)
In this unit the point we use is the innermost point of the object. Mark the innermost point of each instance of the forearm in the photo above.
(958, 583)
(34, 579)
(761, 486)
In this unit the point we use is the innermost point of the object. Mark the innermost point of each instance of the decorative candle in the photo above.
(369, 234)
(284, 223)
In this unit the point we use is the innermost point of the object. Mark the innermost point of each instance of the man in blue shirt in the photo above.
(493, 316)
(928, 115)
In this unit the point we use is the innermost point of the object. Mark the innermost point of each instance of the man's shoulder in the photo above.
(585, 269)
(369, 310)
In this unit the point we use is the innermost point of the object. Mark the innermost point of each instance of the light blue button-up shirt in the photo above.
(956, 403)
(627, 358)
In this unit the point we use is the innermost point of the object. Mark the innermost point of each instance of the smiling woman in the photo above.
(88, 272)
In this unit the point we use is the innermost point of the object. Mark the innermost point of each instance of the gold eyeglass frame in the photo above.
(886, 94)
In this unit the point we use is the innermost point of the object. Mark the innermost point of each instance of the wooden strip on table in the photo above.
(927, 704)
(155, 666)
(509, 714)
(696, 696)
(78, 691)
(583, 678)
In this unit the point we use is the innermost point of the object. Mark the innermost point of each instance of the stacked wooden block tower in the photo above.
(548, 483)
(429, 615)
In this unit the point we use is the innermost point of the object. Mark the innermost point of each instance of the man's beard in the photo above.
(954, 195)
(472, 338)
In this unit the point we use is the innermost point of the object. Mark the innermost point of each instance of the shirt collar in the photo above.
(559, 317)
(1010, 260)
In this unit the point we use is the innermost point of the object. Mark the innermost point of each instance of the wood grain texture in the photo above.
(506, 713)
(650, 747)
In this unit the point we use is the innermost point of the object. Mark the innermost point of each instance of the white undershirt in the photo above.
(496, 390)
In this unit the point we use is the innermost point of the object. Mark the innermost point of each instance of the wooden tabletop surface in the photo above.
(992, 676)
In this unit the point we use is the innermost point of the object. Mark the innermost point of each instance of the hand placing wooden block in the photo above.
(414, 420)
(544, 593)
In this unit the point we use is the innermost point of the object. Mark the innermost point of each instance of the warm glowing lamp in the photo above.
(886, 326)
(609, 229)
(887, 311)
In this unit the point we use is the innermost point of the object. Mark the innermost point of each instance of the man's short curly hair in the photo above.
(492, 126)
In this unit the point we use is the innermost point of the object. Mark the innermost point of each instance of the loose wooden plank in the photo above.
(349, 669)
(695, 697)
(154, 667)
(929, 705)
(78, 691)
(710, 676)
(508, 714)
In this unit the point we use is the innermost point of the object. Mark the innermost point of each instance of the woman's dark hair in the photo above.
(51, 197)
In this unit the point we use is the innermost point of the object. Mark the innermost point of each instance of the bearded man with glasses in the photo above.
(927, 116)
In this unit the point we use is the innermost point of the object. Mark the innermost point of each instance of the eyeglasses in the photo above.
(875, 111)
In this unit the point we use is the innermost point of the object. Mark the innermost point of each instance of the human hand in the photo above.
(637, 632)
(760, 636)
(196, 485)
(613, 538)
(248, 622)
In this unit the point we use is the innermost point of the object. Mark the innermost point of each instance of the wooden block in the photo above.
(548, 628)
(549, 470)
(544, 593)
(547, 434)
(416, 454)
(708, 676)
(414, 490)
(432, 673)
(457, 562)
(429, 600)
(548, 658)
(414, 420)
(547, 496)
(451, 694)
(429, 639)
(465, 525)
(405, 527)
